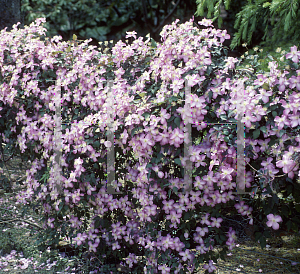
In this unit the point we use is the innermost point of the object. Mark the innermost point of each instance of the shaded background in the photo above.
(268, 24)
(108, 20)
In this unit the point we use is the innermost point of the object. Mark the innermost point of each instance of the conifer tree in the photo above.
(279, 20)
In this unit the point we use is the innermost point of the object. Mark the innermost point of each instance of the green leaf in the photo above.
(273, 107)
(282, 132)
(296, 220)
(272, 142)
(265, 86)
(226, 139)
(135, 131)
(66, 207)
(297, 197)
(263, 129)
(148, 166)
(171, 119)
(173, 99)
(223, 238)
(177, 122)
(223, 117)
(96, 144)
(289, 189)
(225, 131)
(210, 94)
(159, 157)
(153, 43)
(175, 189)
(220, 21)
(186, 216)
(177, 161)
(60, 206)
(146, 115)
(275, 199)
(256, 133)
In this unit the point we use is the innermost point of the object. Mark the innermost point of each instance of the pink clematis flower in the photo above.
(194, 79)
(210, 267)
(230, 62)
(164, 116)
(294, 54)
(286, 163)
(50, 224)
(130, 34)
(185, 255)
(93, 246)
(80, 239)
(223, 35)
(216, 222)
(273, 221)
(164, 269)
(206, 22)
(177, 85)
(177, 137)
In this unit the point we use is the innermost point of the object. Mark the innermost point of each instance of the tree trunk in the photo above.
(10, 14)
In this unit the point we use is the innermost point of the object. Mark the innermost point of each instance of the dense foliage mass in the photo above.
(276, 20)
(105, 20)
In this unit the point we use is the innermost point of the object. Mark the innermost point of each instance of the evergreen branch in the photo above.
(201, 4)
(226, 4)
(288, 21)
(213, 8)
(238, 20)
(279, 16)
(236, 40)
(210, 6)
(217, 13)
(244, 29)
(252, 29)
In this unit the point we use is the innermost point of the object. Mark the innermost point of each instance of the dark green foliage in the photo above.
(273, 21)
(105, 20)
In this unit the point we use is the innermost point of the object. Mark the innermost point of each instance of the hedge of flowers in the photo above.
(154, 222)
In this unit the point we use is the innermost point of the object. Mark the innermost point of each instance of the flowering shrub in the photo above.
(155, 216)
